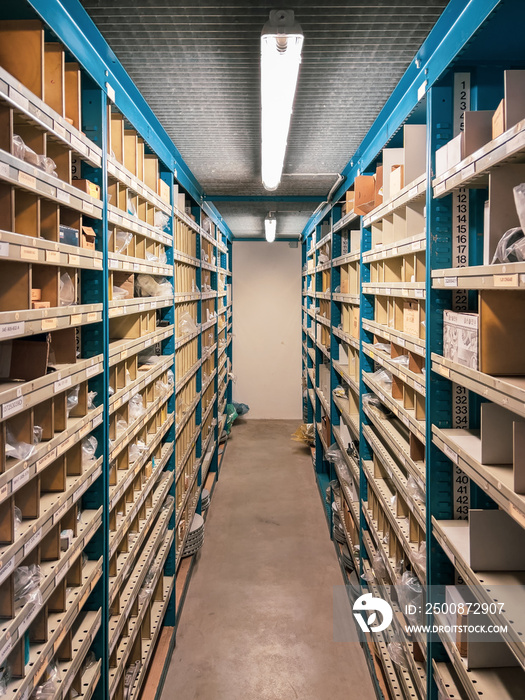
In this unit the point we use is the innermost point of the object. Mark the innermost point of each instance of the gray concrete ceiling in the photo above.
(197, 65)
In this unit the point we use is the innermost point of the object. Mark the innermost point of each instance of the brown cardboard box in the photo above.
(23, 359)
(349, 200)
(36, 294)
(461, 635)
(498, 120)
(502, 332)
(88, 187)
(63, 346)
(325, 422)
(514, 81)
(478, 130)
(125, 281)
(40, 304)
(163, 191)
(411, 320)
(364, 188)
(88, 237)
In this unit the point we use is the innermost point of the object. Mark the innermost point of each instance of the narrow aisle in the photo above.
(257, 623)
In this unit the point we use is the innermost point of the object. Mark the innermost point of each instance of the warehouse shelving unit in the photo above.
(116, 339)
(412, 485)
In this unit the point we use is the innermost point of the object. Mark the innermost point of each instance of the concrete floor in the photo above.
(257, 622)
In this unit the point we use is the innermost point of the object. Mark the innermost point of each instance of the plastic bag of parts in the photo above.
(161, 220)
(333, 454)
(379, 566)
(92, 395)
(17, 449)
(148, 357)
(122, 240)
(18, 518)
(5, 677)
(26, 585)
(340, 392)
(368, 576)
(420, 558)
(519, 201)
(374, 404)
(135, 407)
(48, 688)
(20, 150)
(241, 408)
(511, 247)
(67, 290)
(305, 433)
(72, 399)
(162, 388)
(89, 661)
(137, 450)
(148, 286)
(89, 447)
(414, 490)
(410, 593)
(382, 377)
(121, 426)
(323, 258)
(118, 293)
(207, 224)
(396, 652)
(231, 415)
(384, 347)
(401, 360)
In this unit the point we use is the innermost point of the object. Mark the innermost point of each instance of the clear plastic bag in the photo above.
(5, 677)
(67, 290)
(91, 399)
(18, 518)
(89, 447)
(26, 585)
(379, 566)
(382, 377)
(135, 407)
(420, 558)
(122, 240)
(340, 392)
(333, 454)
(161, 220)
(410, 593)
(401, 360)
(148, 286)
(396, 652)
(72, 399)
(519, 201)
(121, 425)
(384, 347)
(19, 147)
(414, 490)
(511, 247)
(17, 449)
(118, 293)
(47, 165)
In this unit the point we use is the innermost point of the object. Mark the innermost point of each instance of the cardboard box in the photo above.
(411, 318)
(88, 187)
(477, 132)
(498, 120)
(68, 235)
(364, 188)
(163, 191)
(391, 158)
(23, 359)
(63, 347)
(126, 282)
(441, 160)
(36, 294)
(349, 200)
(460, 338)
(378, 198)
(325, 422)
(397, 181)
(501, 214)
(40, 304)
(415, 151)
(455, 151)
(502, 332)
(514, 83)
(89, 237)
(181, 201)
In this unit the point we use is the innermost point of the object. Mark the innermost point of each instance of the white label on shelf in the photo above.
(25, 179)
(394, 251)
(59, 130)
(48, 324)
(27, 253)
(74, 260)
(399, 341)
(440, 188)
(87, 207)
(444, 371)
(92, 317)
(117, 311)
(44, 461)
(91, 371)
(4, 249)
(506, 280)
(451, 281)
(62, 383)
(63, 196)
(97, 420)
(114, 263)
(412, 192)
(11, 407)
(20, 479)
(81, 490)
(420, 293)
(450, 453)
(136, 267)
(52, 256)
(97, 263)
(79, 145)
(416, 245)
(76, 319)
(59, 512)
(33, 541)
(8, 330)
(4, 170)
(64, 447)
(419, 387)
(4, 651)
(404, 420)
(469, 171)
(63, 571)
(5, 569)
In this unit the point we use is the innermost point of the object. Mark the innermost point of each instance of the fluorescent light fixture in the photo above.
(270, 226)
(281, 46)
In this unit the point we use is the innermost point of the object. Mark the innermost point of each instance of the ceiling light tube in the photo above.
(281, 46)
(270, 226)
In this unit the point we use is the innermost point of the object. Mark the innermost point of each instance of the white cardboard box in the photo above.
(461, 338)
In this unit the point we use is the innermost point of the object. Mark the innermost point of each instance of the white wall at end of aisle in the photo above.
(267, 329)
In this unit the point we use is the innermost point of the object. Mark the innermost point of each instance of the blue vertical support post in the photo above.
(229, 391)
(366, 364)
(168, 348)
(94, 341)
(438, 408)
(335, 318)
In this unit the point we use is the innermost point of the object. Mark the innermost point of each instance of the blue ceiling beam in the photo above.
(264, 198)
